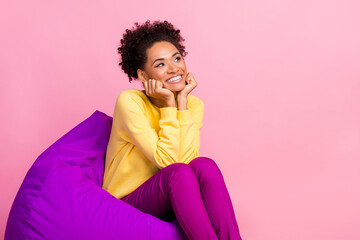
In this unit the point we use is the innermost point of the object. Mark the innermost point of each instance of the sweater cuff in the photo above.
(184, 115)
(168, 113)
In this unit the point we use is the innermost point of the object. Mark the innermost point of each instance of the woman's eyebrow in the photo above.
(158, 59)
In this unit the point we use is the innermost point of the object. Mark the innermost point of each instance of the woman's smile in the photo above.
(176, 79)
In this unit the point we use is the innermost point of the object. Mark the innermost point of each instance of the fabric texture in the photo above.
(145, 139)
(195, 193)
(61, 196)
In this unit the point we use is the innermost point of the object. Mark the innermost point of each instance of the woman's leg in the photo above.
(216, 198)
(175, 190)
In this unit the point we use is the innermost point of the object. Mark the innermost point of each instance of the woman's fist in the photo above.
(190, 84)
(154, 88)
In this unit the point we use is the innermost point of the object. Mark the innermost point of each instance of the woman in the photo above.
(152, 160)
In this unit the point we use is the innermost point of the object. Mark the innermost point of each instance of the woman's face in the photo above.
(165, 63)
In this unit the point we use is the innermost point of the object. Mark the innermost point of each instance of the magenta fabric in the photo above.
(196, 194)
(61, 196)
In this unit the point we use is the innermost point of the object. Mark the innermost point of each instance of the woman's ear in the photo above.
(141, 75)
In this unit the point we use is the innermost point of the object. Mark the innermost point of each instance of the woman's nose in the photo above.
(172, 68)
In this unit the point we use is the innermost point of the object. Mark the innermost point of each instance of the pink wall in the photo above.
(280, 81)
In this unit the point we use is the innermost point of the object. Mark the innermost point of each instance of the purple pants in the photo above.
(195, 194)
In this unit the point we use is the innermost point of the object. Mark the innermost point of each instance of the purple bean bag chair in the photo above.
(61, 196)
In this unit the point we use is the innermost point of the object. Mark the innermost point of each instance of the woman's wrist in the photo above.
(181, 102)
(170, 103)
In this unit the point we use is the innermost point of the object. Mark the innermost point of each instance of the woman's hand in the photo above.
(154, 88)
(190, 85)
(181, 97)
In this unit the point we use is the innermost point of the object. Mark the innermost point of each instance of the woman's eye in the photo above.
(159, 64)
(178, 59)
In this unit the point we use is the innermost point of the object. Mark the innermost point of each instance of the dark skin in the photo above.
(164, 62)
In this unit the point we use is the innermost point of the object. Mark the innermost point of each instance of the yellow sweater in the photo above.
(145, 138)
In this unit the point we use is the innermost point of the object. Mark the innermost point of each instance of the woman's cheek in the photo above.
(161, 76)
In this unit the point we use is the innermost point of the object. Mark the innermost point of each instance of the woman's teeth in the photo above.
(175, 79)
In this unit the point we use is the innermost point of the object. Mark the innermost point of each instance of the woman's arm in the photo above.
(190, 124)
(190, 121)
(160, 148)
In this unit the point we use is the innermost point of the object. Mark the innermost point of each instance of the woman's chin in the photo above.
(176, 88)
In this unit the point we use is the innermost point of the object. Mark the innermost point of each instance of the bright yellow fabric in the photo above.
(145, 138)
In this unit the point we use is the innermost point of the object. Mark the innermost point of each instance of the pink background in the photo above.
(280, 81)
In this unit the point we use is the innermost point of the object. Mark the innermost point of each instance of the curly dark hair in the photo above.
(136, 41)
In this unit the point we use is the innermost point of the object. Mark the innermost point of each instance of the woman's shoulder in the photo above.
(131, 94)
(131, 99)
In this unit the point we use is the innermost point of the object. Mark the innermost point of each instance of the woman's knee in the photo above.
(203, 163)
(181, 171)
(205, 167)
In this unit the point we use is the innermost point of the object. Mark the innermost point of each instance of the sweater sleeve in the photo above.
(190, 125)
(160, 148)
